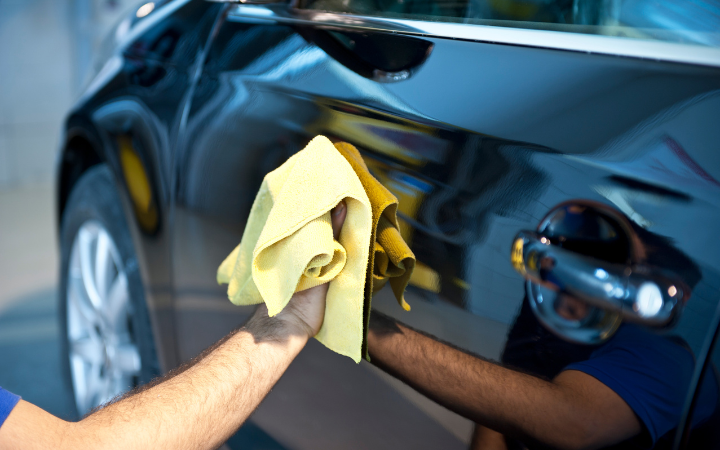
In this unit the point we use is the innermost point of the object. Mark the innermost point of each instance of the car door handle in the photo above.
(374, 50)
(646, 294)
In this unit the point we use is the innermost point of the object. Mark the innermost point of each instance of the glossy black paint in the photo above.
(478, 142)
(141, 96)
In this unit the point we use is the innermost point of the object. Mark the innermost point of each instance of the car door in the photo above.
(480, 117)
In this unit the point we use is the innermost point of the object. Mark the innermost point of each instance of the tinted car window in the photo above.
(685, 21)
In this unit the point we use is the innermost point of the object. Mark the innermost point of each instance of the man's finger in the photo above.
(338, 218)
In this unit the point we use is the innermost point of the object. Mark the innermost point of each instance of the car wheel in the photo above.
(106, 333)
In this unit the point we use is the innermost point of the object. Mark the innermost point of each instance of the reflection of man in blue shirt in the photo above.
(650, 372)
(626, 393)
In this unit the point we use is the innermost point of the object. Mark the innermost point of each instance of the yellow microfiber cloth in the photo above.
(288, 244)
(392, 258)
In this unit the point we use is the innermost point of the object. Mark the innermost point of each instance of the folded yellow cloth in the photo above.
(288, 244)
(392, 258)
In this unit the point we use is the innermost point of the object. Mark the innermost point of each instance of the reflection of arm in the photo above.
(484, 438)
(572, 411)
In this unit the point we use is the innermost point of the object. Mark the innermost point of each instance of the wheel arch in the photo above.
(80, 151)
(84, 146)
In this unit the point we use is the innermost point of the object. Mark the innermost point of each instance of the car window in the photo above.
(683, 21)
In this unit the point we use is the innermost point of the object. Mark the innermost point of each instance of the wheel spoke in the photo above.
(103, 263)
(90, 349)
(80, 303)
(127, 359)
(79, 370)
(85, 241)
(94, 383)
(116, 303)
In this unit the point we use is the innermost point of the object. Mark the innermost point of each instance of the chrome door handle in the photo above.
(647, 294)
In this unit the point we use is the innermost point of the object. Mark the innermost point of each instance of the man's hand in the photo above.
(306, 310)
(198, 406)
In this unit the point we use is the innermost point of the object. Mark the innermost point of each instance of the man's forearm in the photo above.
(212, 398)
(198, 406)
(511, 402)
(230, 382)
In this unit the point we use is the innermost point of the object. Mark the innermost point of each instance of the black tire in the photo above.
(95, 198)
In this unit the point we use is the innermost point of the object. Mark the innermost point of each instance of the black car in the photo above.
(557, 165)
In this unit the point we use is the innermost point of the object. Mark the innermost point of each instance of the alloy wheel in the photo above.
(103, 350)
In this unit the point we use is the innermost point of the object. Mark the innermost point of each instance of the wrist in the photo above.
(283, 327)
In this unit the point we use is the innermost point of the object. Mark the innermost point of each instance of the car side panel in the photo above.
(479, 143)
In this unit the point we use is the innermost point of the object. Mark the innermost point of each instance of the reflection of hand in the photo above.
(574, 410)
(305, 312)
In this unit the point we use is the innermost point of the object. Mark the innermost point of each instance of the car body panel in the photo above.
(479, 142)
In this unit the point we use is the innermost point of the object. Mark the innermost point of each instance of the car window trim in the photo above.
(547, 39)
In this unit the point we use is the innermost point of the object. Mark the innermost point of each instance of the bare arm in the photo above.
(200, 405)
(572, 411)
